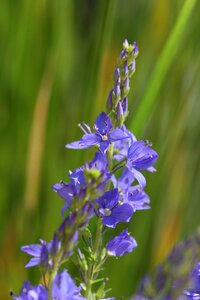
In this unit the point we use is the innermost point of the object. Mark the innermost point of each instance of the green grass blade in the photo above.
(161, 68)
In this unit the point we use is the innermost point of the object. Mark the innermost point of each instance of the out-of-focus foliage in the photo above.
(57, 61)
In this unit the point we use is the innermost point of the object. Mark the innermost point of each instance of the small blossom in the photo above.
(138, 199)
(194, 291)
(117, 73)
(77, 178)
(66, 191)
(117, 91)
(121, 147)
(141, 157)
(135, 50)
(64, 288)
(28, 292)
(40, 254)
(112, 211)
(103, 136)
(121, 244)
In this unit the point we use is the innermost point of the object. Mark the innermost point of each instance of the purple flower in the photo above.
(40, 254)
(138, 199)
(124, 182)
(100, 162)
(77, 178)
(135, 50)
(117, 74)
(121, 147)
(103, 136)
(121, 244)
(194, 291)
(141, 157)
(66, 191)
(133, 195)
(28, 292)
(64, 288)
(112, 211)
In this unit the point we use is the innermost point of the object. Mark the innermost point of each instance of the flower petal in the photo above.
(109, 199)
(141, 156)
(121, 244)
(87, 141)
(34, 249)
(65, 191)
(33, 262)
(104, 146)
(140, 178)
(103, 123)
(118, 134)
(121, 213)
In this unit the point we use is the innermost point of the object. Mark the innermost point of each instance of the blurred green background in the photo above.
(57, 61)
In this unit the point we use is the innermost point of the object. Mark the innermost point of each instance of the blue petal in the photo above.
(33, 262)
(126, 179)
(138, 198)
(103, 123)
(151, 169)
(135, 149)
(141, 156)
(99, 162)
(64, 287)
(65, 191)
(121, 244)
(117, 134)
(109, 199)
(77, 177)
(140, 178)
(104, 146)
(34, 249)
(121, 213)
(87, 141)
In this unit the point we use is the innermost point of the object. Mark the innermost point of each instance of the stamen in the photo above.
(87, 127)
(104, 137)
(82, 128)
(107, 212)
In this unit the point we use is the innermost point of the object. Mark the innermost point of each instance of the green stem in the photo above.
(95, 253)
(52, 275)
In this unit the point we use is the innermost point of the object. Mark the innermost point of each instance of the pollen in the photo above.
(104, 137)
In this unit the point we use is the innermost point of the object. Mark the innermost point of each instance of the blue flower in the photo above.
(194, 292)
(100, 162)
(103, 136)
(121, 147)
(121, 244)
(112, 211)
(133, 195)
(28, 292)
(64, 288)
(138, 199)
(141, 157)
(66, 191)
(40, 254)
(77, 178)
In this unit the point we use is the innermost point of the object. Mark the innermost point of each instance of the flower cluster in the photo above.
(176, 277)
(109, 188)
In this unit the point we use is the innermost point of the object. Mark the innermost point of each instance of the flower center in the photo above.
(107, 212)
(104, 137)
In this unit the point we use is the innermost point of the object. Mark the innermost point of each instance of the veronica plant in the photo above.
(109, 189)
(178, 277)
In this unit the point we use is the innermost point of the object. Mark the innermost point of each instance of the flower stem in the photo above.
(94, 261)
